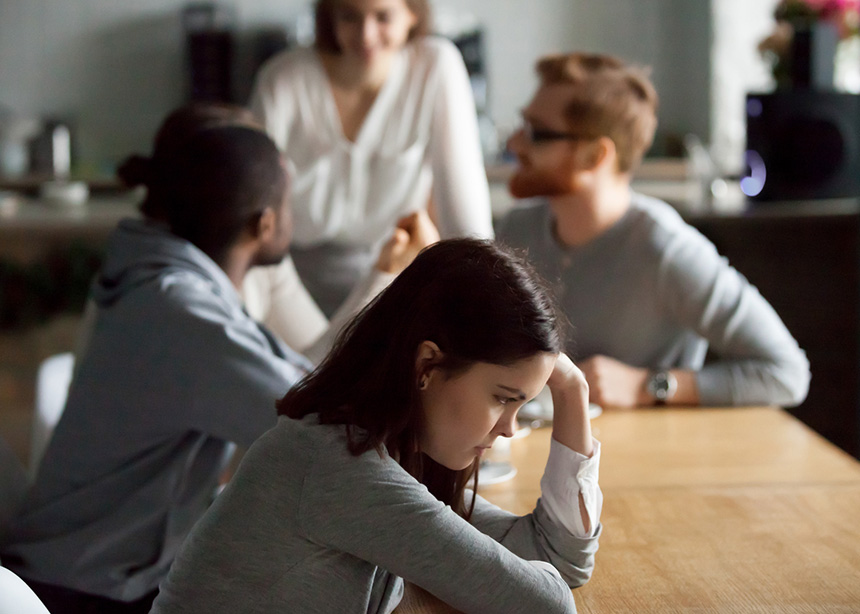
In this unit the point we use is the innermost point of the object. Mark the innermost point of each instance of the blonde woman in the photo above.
(375, 121)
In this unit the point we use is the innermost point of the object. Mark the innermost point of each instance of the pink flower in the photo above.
(832, 6)
(844, 13)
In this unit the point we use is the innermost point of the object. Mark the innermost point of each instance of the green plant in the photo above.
(32, 294)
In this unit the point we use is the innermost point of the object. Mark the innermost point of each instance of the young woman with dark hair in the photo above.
(364, 479)
(374, 121)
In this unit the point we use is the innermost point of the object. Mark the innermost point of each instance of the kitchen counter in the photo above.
(32, 227)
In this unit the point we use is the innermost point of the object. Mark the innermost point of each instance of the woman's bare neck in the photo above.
(354, 89)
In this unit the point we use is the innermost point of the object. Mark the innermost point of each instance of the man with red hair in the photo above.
(646, 293)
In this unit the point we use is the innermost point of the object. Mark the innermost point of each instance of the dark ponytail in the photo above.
(176, 130)
(135, 171)
(213, 171)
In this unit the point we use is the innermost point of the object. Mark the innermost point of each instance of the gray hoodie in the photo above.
(173, 370)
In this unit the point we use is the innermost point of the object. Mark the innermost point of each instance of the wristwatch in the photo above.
(662, 385)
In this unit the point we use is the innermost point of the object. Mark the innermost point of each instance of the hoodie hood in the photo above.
(140, 251)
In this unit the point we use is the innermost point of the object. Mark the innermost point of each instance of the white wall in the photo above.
(112, 68)
(115, 67)
(673, 37)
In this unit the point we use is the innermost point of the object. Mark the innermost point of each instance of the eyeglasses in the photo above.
(537, 135)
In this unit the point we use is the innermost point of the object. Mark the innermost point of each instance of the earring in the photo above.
(422, 385)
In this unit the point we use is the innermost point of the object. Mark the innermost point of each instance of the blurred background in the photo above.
(111, 70)
(84, 83)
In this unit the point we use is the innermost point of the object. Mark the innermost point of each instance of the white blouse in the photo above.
(420, 134)
(275, 296)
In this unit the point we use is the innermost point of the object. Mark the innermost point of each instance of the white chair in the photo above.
(16, 597)
(52, 388)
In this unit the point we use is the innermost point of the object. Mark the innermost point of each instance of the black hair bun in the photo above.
(135, 171)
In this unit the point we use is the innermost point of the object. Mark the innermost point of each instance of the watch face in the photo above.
(659, 388)
(662, 385)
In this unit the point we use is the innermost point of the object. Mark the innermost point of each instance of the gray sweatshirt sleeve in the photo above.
(231, 376)
(759, 361)
(536, 537)
(418, 538)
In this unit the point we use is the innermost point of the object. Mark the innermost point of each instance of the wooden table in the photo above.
(802, 257)
(709, 510)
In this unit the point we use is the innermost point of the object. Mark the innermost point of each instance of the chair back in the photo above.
(14, 482)
(16, 597)
(52, 388)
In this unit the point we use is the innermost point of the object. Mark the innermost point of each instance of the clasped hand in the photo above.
(613, 383)
(413, 233)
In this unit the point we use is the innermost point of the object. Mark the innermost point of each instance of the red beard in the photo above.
(527, 183)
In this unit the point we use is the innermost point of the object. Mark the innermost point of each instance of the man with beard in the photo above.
(646, 293)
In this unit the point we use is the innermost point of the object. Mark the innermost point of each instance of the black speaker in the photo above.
(209, 39)
(801, 145)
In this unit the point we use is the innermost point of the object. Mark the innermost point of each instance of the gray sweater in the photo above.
(174, 370)
(653, 292)
(304, 526)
